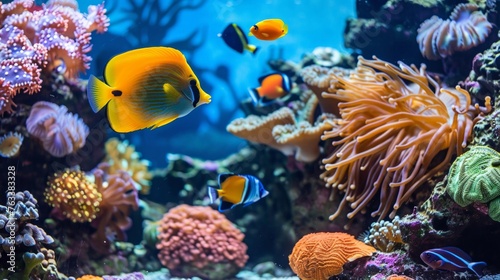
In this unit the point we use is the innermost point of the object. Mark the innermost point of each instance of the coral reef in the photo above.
(394, 123)
(199, 241)
(321, 255)
(385, 235)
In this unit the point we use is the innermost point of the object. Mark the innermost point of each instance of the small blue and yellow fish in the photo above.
(236, 189)
(146, 88)
(235, 38)
(269, 29)
(273, 86)
(451, 258)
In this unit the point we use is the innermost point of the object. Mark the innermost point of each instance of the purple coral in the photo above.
(61, 133)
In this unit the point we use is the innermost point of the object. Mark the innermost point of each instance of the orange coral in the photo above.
(89, 277)
(395, 121)
(398, 277)
(321, 255)
(71, 193)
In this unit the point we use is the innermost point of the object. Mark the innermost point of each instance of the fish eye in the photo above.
(255, 27)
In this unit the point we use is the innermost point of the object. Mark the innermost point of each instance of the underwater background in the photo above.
(361, 142)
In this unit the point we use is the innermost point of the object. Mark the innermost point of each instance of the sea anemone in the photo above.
(466, 28)
(10, 144)
(61, 133)
(395, 121)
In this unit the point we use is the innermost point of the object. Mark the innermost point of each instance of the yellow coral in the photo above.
(76, 197)
(122, 156)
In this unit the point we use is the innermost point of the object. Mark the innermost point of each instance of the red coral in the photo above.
(199, 241)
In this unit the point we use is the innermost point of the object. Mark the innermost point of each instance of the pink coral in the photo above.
(61, 133)
(199, 241)
(35, 38)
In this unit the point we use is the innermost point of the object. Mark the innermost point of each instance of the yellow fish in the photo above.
(146, 88)
(269, 29)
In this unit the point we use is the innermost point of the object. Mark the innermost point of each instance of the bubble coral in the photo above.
(321, 255)
(199, 241)
(61, 133)
(10, 144)
(466, 28)
(73, 195)
(475, 177)
(395, 121)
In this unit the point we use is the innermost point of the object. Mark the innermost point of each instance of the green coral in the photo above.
(475, 177)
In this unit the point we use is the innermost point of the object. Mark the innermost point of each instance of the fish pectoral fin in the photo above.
(165, 121)
(224, 206)
(172, 94)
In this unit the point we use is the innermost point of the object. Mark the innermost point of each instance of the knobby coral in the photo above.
(466, 28)
(321, 255)
(73, 195)
(395, 121)
(199, 241)
(475, 177)
(61, 133)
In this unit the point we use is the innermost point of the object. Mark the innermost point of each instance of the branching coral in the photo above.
(33, 39)
(321, 255)
(292, 131)
(466, 28)
(199, 241)
(120, 155)
(61, 133)
(395, 121)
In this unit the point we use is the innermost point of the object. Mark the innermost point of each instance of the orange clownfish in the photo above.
(146, 88)
(269, 29)
(272, 87)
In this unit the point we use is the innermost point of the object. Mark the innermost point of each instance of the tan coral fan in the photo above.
(319, 256)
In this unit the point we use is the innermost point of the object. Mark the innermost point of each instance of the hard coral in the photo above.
(466, 28)
(395, 121)
(385, 235)
(475, 177)
(61, 133)
(73, 195)
(321, 255)
(199, 241)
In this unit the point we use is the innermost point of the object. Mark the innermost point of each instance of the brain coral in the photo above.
(61, 133)
(475, 177)
(199, 241)
(321, 255)
(466, 28)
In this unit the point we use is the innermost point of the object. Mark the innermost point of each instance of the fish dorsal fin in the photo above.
(127, 64)
(223, 176)
(458, 252)
(262, 78)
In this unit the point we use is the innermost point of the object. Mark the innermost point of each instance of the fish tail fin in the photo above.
(252, 48)
(98, 93)
(477, 268)
(213, 194)
(254, 94)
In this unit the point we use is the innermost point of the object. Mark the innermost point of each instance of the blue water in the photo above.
(224, 74)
